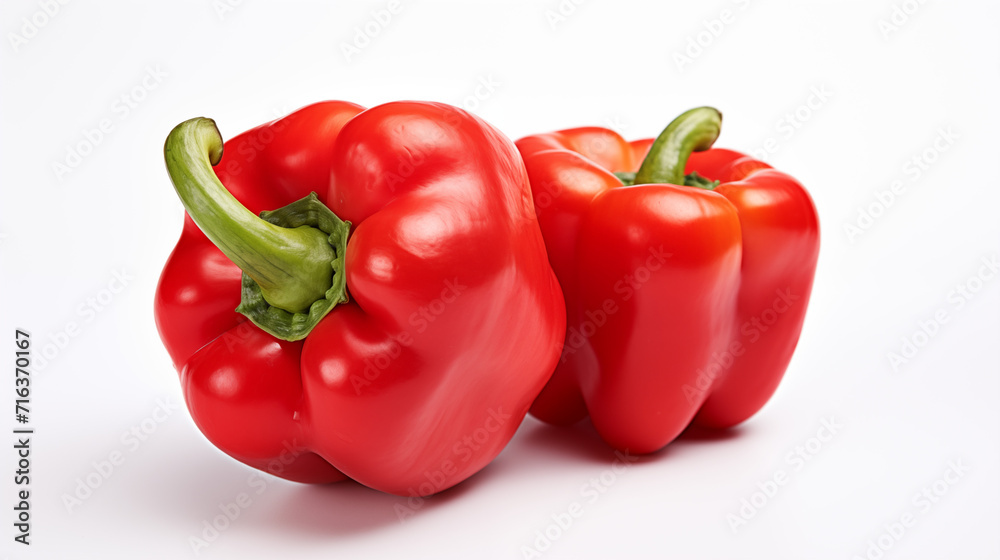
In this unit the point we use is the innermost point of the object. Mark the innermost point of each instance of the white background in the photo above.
(887, 95)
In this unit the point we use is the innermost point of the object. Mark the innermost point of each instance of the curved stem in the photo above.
(694, 131)
(291, 265)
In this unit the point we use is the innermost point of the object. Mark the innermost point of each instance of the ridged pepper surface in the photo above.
(686, 273)
(393, 327)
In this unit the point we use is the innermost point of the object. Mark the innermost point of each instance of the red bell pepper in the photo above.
(684, 297)
(454, 320)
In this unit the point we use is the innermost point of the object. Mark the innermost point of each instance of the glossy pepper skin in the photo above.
(684, 303)
(454, 320)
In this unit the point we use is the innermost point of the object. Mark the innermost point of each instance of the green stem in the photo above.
(694, 131)
(292, 265)
(693, 179)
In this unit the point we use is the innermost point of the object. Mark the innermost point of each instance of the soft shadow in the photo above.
(345, 509)
(582, 441)
(579, 441)
(189, 493)
(339, 509)
(189, 490)
(697, 434)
